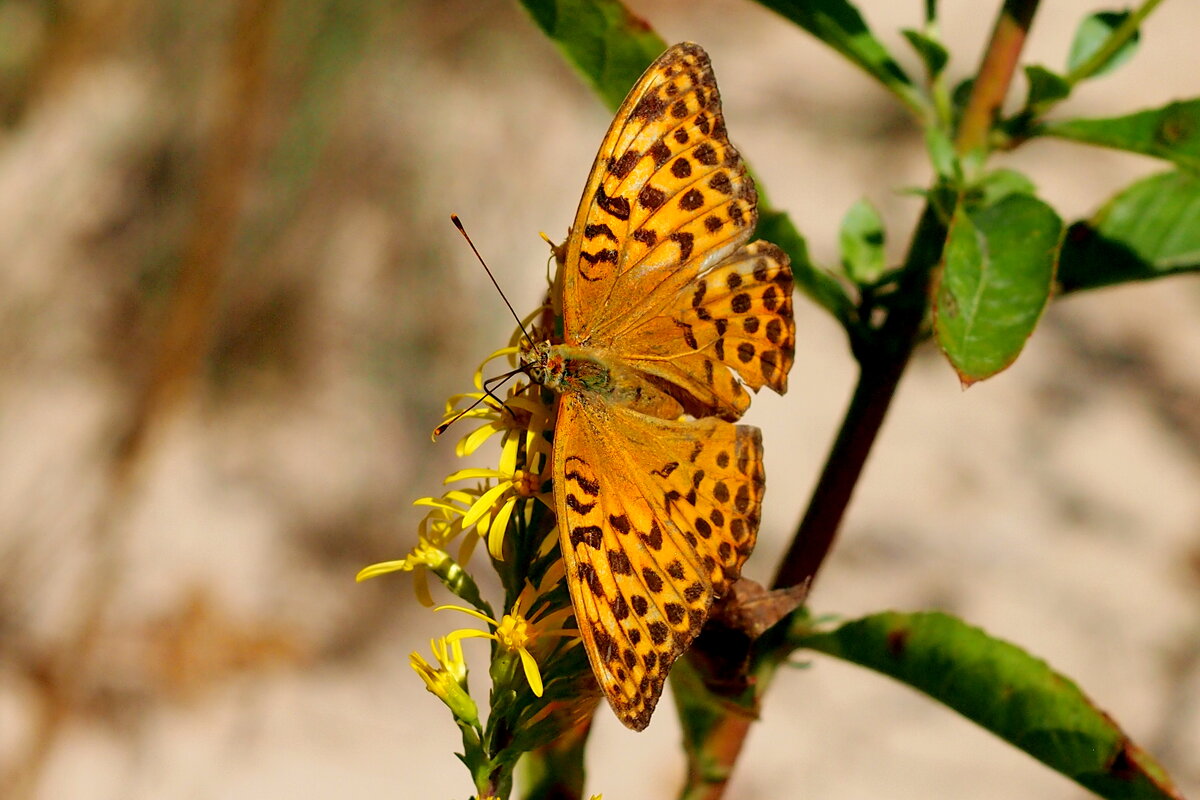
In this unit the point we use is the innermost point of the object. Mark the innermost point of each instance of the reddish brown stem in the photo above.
(995, 73)
(883, 356)
(723, 746)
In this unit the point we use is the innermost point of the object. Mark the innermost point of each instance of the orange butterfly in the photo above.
(666, 312)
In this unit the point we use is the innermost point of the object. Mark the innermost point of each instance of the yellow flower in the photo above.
(447, 681)
(447, 519)
(516, 633)
(423, 557)
(492, 510)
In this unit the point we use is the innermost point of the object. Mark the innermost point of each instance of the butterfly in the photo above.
(667, 316)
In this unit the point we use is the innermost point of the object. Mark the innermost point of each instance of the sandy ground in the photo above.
(1055, 505)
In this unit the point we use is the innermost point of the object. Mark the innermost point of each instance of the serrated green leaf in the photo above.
(1045, 87)
(931, 51)
(1149, 230)
(1007, 691)
(993, 283)
(839, 25)
(1171, 132)
(1093, 33)
(862, 242)
(605, 41)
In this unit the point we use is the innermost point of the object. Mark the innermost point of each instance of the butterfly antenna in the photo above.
(458, 224)
(487, 392)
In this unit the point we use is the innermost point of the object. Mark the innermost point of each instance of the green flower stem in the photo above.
(995, 74)
(1124, 32)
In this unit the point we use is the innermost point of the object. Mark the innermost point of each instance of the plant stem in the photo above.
(721, 747)
(995, 73)
(882, 361)
(883, 356)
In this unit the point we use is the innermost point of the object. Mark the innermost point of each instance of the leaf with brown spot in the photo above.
(1005, 690)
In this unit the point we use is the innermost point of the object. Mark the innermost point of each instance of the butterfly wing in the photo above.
(656, 269)
(667, 198)
(735, 318)
(656, 518)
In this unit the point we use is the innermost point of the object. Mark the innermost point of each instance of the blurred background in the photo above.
(232, 306)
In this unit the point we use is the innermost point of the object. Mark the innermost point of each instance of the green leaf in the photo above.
(1045, 87)
(839, 25)
(862, 240)
(1000, 183)
(1171, 132)
(818, 285)
(1149, 230)
(1093, 33)
(932, 54)
(994, 280)
(1007, 691)
(606, 42)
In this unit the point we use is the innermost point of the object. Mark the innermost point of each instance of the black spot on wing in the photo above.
(615, 206)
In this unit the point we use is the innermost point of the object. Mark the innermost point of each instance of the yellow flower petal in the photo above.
(467, 498)
(439, 503)
(468, 633)
(467, 549)
(484, 504)
(508, 456)
(496, 531)
(469, 611)
(531, 672)
(471, 442)
(421, 587)
(503, 351)
(475, 473)
(382, 568)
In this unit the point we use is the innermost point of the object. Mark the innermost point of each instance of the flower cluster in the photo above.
(541, 683)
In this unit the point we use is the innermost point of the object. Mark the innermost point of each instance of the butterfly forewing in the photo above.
(668, 196)
(657, 518)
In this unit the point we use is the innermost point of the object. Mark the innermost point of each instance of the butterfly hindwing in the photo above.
(735, 318)
(656, 518)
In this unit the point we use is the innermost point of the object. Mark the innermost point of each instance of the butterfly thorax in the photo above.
(598, 374)
(564, 368)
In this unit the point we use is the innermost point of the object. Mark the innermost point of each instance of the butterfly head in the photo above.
(544, 364)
